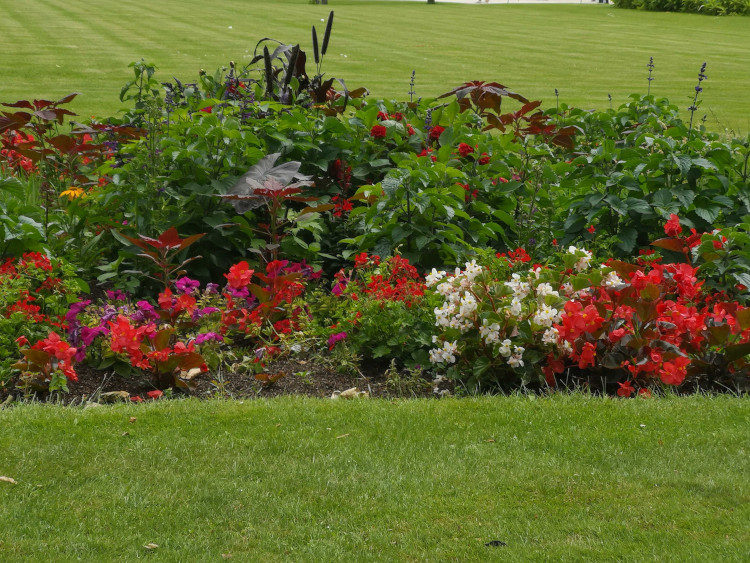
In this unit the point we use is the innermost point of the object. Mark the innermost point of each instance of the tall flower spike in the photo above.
(650, 67)
(698, 89)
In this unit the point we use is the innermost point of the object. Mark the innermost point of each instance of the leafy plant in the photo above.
(163, 253)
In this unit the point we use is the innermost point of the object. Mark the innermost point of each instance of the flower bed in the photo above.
(254, 218)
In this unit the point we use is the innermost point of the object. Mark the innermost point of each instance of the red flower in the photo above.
(645, 393)
(378, 131)
(463, 149)
(397, 116)
(617, 335)
(425, 152)
(587, 356)
(435, 132)
(484, 159)
(672, 227)
(22, 341)
(136, 399)
(591, 229)
(165, 299)
(625, 390)
(156, 394)
(382, 116)
(674, 372)
(239, 275)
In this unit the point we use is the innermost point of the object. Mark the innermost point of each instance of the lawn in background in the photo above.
(52, 47)
(563, 478)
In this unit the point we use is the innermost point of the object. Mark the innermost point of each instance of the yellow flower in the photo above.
(73, 193)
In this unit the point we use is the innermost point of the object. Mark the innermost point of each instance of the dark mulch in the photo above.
(300, 377)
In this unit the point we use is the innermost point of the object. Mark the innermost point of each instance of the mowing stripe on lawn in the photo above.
(53, 47)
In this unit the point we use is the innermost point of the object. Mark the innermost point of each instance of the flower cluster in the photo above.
(11, 141)
(495, 325)
(650, 322)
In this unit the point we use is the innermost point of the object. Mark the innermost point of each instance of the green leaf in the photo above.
(685, 197)
(637, 205)
(628, 239)
(481, 365)
(381, 351)
(737, 351)
(708, 214)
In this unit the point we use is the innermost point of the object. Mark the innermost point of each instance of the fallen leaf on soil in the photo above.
(269, 377)
(151, 546)
(132, 420)
(8, 480)
(190, 374)
(353, 393)
(114, 396)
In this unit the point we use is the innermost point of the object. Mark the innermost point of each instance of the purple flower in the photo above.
(338, 288)
(88, 334)
(238, 293)
(146, 312)
(334, 338)
(207, 336)
(199, 313)
(186, 285)
(116, 295)
(75, 309)
(212, 288)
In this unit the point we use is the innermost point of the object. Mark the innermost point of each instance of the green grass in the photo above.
(52, 47)
(566, 478)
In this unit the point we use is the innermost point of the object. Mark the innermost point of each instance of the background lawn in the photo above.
(564, 478)
(52, 47)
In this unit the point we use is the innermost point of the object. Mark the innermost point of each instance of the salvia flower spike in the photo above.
(698, 89)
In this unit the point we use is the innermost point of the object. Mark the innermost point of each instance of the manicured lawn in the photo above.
(52, 47)
(557, 479)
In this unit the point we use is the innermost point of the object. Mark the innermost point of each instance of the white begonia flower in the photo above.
(463, 325)
(515, 307)
(445, 289)
(545, 316)
(472, 270)
(544, 289)
(433, 277)
(583, 262)
(468, 305)
(504, 349)
(520, 288)
(565, 347)
(567, 288)
(611, 280)
(515, 361)
(550, 336)
(536, 271)
(436, 356)
(449, 351)
(490, 333)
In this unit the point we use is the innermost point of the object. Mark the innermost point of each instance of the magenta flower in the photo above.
(334, 338)
(186, 285)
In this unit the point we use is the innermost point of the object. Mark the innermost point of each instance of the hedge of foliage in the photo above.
(708, 7)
